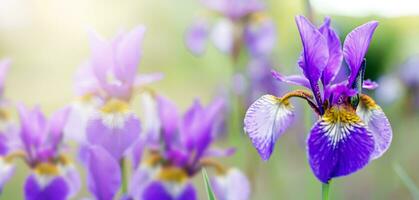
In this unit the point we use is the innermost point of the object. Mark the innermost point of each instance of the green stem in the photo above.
(122, 164)
(325, 191)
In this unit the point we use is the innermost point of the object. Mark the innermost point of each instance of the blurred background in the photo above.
(47, 41)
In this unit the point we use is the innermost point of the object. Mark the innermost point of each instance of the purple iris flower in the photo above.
(184, 149)
(352, 129)
(53, 174)
(234, 9)
(240, 23)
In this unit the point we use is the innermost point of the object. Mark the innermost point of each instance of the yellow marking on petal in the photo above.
(115, 106)
(341, 113)
(220, 169)
(46, 168)
(4, 114)
(174, 174)
(368, 102)
(12, 156)
(258, 17)
(64, 160)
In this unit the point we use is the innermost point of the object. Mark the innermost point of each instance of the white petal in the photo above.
(266, 119)
(377, 123)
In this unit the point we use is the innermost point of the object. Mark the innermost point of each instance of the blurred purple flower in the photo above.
(111, 70)
(409, 72)
(231, 185)
(53, 175)
(261, 81)
(114, 127)
(260, 37)
(389, 90)
(352, 129)
(234, 9)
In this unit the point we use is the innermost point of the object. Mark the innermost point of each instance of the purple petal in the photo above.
(156, 191)
(222, 35)
(339, 144)
(85, 80)
(104, 178)
(260, 37)
(265, 121)
(4, 67)
(7, 170)
(377, 122)
(72, 177)
(33, 130)
(128, 54)
(141, 178)
(159, 191)
(57, 122)
(115, 132)
(356, 45)
(369, 85)
(169, 118)
(234, 9)
(231, 186)
(335, 52)
(315, 54)
(196, 37)
(216, 152)
(293, 79)
(55, 189)
(102, 58)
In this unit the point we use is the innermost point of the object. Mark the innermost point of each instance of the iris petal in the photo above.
(265, 121)
(377, 123)
(339, 144)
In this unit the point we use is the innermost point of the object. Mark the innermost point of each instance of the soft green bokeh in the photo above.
(49, 42)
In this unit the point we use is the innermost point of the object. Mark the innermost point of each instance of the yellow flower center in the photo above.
(174, 174)
(115, 106)
(46, 168)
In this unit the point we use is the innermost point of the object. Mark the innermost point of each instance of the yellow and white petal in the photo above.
(377, 122)
(265, 121)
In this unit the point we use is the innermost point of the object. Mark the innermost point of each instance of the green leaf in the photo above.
(407, 181)
(210, 193)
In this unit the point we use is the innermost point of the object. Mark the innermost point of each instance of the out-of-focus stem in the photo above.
(122, 165)
(325, 191)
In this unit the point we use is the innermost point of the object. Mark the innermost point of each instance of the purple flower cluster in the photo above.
(352, 129)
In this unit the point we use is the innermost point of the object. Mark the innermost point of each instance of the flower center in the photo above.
(173, 174)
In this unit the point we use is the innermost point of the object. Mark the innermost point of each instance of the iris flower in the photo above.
(186, 147)
(53, 175)
(352, 129)
(240, 22)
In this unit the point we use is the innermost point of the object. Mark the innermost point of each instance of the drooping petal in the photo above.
(222, 35)
(265, 121)
(104, 178)
(231, 186)
(140, 180)
(335, 52)
(377, 122)
(114, 130)
(72, 177)
(197, 36)
(4, 67)
(37, 189)
(293, 79)
(169, 191)
(260, 37)
(339, 144)
(115, 138)
(315, 54)
(356, 45)
(6, 172)
(128, 54)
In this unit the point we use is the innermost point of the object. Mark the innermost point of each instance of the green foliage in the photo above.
(210, 193)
